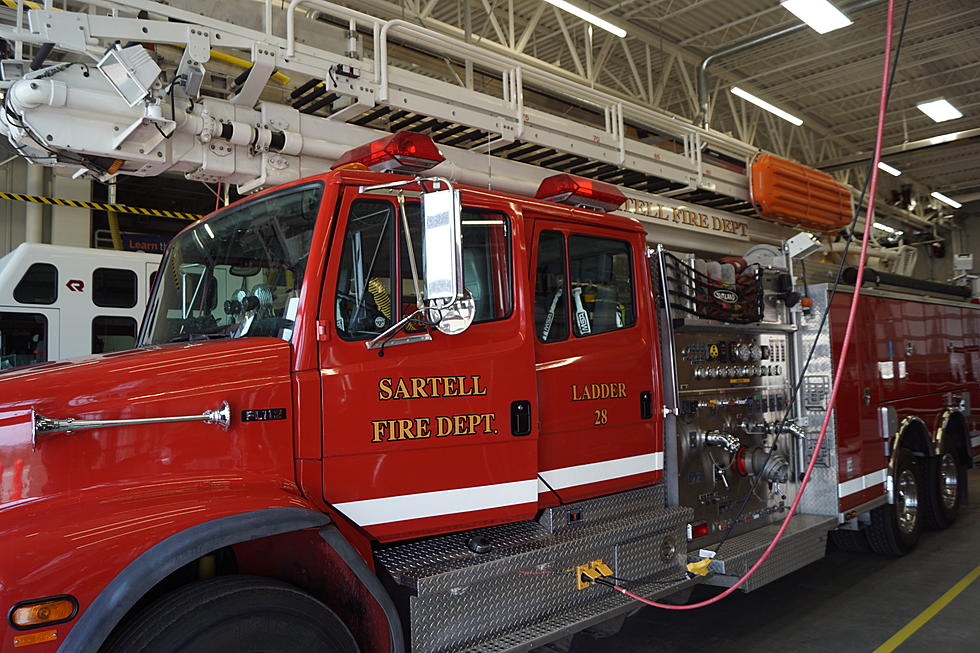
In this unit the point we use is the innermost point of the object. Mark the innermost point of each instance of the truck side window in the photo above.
(601, 279)
(367, 302)
(39, 285)
(113, 333)
(550, 294)
(23, 339)
(486, 262)
(114, 288)
(364, 285)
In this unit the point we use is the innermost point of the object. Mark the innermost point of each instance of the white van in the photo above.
(60, 302)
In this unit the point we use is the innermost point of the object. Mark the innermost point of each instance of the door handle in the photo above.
(520, 417)
(646, 404)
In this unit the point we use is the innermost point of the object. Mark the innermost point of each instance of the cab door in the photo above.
(430, 433)
(596, 362)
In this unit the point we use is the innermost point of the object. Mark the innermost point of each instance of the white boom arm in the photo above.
(73, 116)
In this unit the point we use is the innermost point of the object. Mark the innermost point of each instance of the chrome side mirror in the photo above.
(445, 296)
(457, 317)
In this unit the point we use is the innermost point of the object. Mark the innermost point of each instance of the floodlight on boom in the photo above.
(130, 71)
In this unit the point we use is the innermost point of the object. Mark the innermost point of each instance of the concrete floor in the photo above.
(843, 603)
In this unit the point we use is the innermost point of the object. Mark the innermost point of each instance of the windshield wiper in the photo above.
(192, 337)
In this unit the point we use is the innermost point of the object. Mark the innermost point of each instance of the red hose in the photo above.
(839, 373)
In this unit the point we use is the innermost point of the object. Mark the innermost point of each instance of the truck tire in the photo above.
(895, 528)
(231, 614)
(945, 485)
(853, 541)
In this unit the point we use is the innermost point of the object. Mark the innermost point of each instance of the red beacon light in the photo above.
(578, 191)
(403, 153)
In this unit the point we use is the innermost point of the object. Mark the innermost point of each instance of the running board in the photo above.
(804, 541)
(523, 591)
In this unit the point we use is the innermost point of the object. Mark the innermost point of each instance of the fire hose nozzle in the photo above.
(726, 441)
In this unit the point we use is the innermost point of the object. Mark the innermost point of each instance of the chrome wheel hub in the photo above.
(907, 501)
(948, 479)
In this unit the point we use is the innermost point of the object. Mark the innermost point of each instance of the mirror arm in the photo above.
(391, 331)
(411, 250)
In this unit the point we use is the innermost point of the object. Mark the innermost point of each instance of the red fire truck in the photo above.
(372, 410)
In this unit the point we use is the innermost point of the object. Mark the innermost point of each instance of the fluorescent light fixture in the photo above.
(885, 227)
(762, 104)
(939, 110)
(586, 16)
(894, 172)
(947, 200)
(944, 138)
(822, 16)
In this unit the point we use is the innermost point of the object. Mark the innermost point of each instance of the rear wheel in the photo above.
(945, 485)
(895, 528)
(233, 614)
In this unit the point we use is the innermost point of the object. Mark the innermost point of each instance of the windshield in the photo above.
(237, 274)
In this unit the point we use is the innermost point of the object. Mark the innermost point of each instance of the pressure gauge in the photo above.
(757, 352)
(743, 352)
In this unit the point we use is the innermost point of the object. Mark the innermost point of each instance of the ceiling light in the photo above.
(584, 15)
(745, 95)
(822, 16)
(894, 172)
(944, 138)
(939, 110)
(885, 227)
(948, 200)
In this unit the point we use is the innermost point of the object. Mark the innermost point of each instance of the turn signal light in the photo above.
(578, 191)
(42, 612)
(403, 153)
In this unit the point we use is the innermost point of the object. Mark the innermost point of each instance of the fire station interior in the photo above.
(489, 325)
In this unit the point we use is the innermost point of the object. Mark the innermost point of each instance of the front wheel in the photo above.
(895, 528)
(945, 485)
(234, 614)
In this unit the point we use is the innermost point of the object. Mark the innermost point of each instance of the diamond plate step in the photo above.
(456, 597)
(541, 632)
(805, 541)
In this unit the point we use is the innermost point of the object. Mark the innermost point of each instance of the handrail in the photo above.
(41, 425)
(343, 12)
